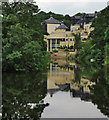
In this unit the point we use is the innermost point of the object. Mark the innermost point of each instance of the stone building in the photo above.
(58, 35)
(51, 24)
(82, 24)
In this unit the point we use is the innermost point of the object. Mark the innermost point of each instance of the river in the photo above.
(66, 90)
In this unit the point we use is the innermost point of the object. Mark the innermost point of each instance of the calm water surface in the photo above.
(65, 91)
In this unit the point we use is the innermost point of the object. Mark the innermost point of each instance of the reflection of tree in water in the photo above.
(21, 89)
(100, 91)
(77, 74)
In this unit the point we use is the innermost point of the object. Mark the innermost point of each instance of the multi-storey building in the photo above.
(51, 24)
(82, 24)
(59, 35)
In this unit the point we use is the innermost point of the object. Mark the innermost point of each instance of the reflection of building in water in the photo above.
(82, 89)
(86, 83)
(57, 77)
(83, 85)
(61, 78)
(64, 62)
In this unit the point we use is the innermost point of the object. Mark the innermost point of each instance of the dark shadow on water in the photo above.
(21, 89)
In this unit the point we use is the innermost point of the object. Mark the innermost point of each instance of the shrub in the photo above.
(71, 47)
(55, 50)
(66, 49)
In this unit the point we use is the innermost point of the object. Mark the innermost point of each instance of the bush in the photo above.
(61, 47)
(55, 50)
(76, 55)
(66, 49)
(71, 47)
(23, 44)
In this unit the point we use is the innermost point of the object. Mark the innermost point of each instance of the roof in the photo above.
(52, 20)
(76, 17)
(90, 15)
(84, 21)
(62, 26)
(83, 18)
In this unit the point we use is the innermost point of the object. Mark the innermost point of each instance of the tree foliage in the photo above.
(77, 41)
(97, 47)
(23, 44)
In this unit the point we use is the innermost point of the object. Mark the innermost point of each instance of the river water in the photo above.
(66, 90)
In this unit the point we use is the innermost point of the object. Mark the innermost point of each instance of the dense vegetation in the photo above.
(23, 41)
(98, 47)
(94, 61)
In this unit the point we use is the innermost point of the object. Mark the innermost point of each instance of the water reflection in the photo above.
(68, 85)
(100, 91)
(22, 96)
(67, 77)
(68, 90)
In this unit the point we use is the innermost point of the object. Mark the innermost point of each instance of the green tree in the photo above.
(77, 41)
(100, 35)
(23, 44)
(106, 38)
(77, 74)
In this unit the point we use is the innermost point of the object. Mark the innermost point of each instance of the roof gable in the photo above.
(62, 26)
(52, 20)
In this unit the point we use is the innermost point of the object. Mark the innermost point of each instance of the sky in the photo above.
(71, 7)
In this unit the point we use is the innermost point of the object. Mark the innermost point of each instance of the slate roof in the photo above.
(62, 26)
(84, 18)
(84, 21)
(90, 15)
(52, 20)
(76, 17)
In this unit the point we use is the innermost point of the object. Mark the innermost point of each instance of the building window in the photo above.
(58, 45)
(70, 39)
(85, 28)
(53, 45)
(76, 29)
(53, 67)
(58, 41)
(53, 41)
(66, 39)
(83, 34)
(49, 45)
